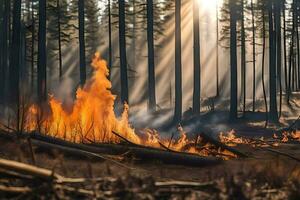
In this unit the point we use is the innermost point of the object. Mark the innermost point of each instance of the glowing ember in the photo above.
(231, 140)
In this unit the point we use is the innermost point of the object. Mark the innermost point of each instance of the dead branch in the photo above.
(183, 184)
(11, 189)
(28, 169)
(222, 146)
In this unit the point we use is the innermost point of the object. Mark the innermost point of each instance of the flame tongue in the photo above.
(92, 116)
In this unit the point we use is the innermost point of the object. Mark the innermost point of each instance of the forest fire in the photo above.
(92, 120)
(92, 117)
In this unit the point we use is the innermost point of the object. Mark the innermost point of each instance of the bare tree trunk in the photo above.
(15, 54)
(122, 48)
(217, 50)
(4, 46)
(110, 59)
(42, 59)
(197, 67)
(243, 58)
(279, 60)
(285, 49)
(32, 43)
(291, 57)
(178, 66)
(233, 61)
(263, 66)
(81, 15)
(59, 37)
(151, 64)
(253, 58)
(273, 114)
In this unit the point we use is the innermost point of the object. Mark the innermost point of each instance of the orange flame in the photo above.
(92, 117)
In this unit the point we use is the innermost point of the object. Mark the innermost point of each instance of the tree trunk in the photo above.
(273, 114)
(233, 61)
(285, 50)
(263, 65)
(298, 51)
(197, 67)
(178, 66)
(32, 44)
(59, 38)
(279, 60)
(243, 58)
(4, 49)
(110, 59)
(15, 54)
(151, 64)
(253, 58)
(42, 60)
(81, 15)
(2, 10)
(122, 48)
(291, 56)
(217, 50)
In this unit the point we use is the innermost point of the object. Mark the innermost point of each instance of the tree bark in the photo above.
(278, 51)
(243, 58)
(110, 59)
(59, 37)
(263, 65)
(197, 66)
(4, 48)
(122, 48)
(42, 59)
(81, 16)
(273, 114)
(15, 54)
(233, 62)
(151, 64)
(178, 64)
(253, 58)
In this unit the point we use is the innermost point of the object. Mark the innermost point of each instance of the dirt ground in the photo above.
(264, 175)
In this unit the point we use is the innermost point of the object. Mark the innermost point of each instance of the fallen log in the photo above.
(141, 152)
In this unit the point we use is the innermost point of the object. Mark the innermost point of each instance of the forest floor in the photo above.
(265, 174)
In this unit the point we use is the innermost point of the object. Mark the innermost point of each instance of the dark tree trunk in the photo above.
(217, 50)
(109, 40)
(285, 50)
(291, 56)
(151, 64)
(59, 38)
(263, 66)
(32, 44)
(273, 114)
(122, 47)
(298, 48)
(2, 10)
(233, 61)
(15, 54)
(278, 51)
(42, 59)
(243, 58)
(197, 67)
(253, 58)
(178, 66)
(81, 15)
(4, 49)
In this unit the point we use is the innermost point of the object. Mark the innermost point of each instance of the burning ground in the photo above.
(85, 151)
